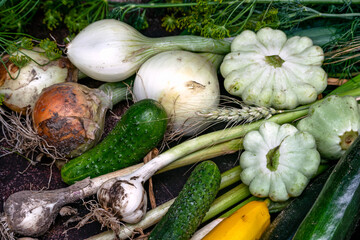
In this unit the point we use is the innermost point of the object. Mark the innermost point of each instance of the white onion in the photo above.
(109, 50)
(184, 83)
(22, 89)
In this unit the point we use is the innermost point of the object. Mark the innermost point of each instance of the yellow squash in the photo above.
(247, 223)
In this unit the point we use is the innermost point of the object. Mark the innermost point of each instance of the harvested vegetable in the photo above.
(167, 157)
(335, 124)
(111, 51)
(288, 220)
(184, 83)
(267, 69)
(335, 212)
(48, 203)
(247, 223)
(278, 161)
(21, 86)
(139, 130)
(31, 213)
(191, 205)
(153, 216)
(70, 116)
(136, 179)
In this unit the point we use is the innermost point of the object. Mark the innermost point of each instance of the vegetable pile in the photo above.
(181, 120)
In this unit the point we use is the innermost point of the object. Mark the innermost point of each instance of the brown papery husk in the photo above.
(70, 117)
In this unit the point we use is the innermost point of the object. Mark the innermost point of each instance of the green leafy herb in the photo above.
(52, 52)
(20, 60)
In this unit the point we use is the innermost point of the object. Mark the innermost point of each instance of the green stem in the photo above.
(215, 59)
(153, 216)
(228, 147)
(227, 200)
(237, 207)
(118, 91)
(190, 43)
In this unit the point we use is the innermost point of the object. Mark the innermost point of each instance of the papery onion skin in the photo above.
(70, 117)
(25, 84)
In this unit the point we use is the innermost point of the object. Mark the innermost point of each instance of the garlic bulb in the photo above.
(126, 198)
(23, 87)
(109, 50)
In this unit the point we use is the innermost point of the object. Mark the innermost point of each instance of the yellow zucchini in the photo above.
(247, 223)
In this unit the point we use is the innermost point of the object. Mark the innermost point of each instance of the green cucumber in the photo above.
(284, 226)
(189, 208)
(138, 131)
(337, 209)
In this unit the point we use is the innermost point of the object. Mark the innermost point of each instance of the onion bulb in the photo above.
(70, 116)
(22, 86)
(184, 83)
(109, 50)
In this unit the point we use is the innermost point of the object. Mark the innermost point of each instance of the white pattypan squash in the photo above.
(278, 161)
(267, 69)
(335, 124)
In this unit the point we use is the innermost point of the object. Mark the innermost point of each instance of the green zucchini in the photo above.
(138, 131)
(189, 208)
(284, 226)
(337, 209)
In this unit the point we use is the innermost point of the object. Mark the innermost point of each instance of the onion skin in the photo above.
(70, 117)
(22, 92)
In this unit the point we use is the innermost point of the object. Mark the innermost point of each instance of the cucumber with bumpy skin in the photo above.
(191, 205)
(138, 131)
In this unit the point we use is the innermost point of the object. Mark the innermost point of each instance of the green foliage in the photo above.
(16, 15)
(20, 60)
(52, 52)
(169, 22)
(52, 19)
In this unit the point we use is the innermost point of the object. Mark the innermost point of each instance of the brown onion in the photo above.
(70, 116)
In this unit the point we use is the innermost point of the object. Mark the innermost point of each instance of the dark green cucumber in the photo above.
(284, 226)
(337, 209)
(138, 131)
(189, 208)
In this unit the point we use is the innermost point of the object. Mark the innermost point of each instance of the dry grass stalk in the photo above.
(148, 158)
(237, 115)
(344, 52)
